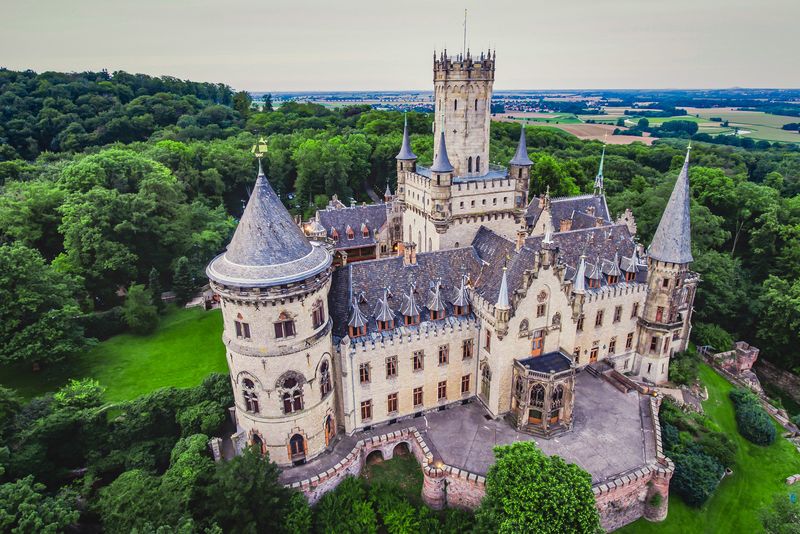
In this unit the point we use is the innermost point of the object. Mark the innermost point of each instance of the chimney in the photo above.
(409, 253)
(566, 225)
(599, 222)
(521, 233)
(590, 210)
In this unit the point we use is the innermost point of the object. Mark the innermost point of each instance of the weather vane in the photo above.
(260, 148)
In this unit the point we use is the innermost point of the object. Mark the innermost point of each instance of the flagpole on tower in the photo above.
(464, 48)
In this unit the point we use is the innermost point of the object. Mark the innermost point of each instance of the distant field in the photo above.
(759, 125)
(547, 118)
(573, 125)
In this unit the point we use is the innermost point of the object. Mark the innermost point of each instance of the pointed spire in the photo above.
(579, 282)
(502, 296)
(387, 195)
(382, 310)
(595, 272)
(435, 299)
(442, 162)
(461, 298)
(521, 157)
(410, 308)
(357, 318)
(672, 240)
(405, 150)
(598, 181)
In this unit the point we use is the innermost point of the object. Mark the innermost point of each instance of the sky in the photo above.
(322, 45)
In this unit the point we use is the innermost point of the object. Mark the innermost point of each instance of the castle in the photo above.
(457, 289)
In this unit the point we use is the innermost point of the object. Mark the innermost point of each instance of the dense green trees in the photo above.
(752, 421)
(528, 491)
(783, 517)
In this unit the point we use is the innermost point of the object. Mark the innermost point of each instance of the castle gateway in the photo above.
(469, 299)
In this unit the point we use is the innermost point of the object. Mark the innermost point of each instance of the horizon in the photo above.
(356, 46)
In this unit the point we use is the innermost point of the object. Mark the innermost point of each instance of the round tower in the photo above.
(273, 286)
(519, 169)
(406, 162)
(441, 179)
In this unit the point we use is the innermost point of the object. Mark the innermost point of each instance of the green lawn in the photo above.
(185, 348)
(759, 474)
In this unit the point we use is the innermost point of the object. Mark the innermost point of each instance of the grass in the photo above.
(184, 349)
(758, 476)
(402, 470)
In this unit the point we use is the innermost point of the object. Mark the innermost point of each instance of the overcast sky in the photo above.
(262, 45)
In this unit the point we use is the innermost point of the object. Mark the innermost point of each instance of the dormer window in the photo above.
(458, 311)
(630, 276)
(594, 283)
(612, 279)
(357, 331)
(364, 230)
(350, 233)
(436, 315)
(334, 234)
(411, 320)
(385, 325)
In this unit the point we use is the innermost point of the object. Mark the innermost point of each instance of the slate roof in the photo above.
(372, 215)
(532, 212)
(568, 208)
(672, 241)
(442, 163)
(521, 156)
(268, 248)
(405, 150)
(552, 361)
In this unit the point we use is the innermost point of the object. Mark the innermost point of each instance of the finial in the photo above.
(259, 150)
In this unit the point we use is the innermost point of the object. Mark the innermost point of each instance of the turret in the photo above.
(406, 162)
(441, 179)
(519, 168)
(502, 309)
(665, 321)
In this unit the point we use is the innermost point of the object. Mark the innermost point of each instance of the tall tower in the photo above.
(273, 286)
(463, 101)
(665, 322)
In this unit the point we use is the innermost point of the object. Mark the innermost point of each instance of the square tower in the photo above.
(463, 104)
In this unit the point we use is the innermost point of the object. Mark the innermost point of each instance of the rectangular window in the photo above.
(612, 345)
(676, 335)
(488, 345)
(635, 310)
(466, 349)
(418, 359)
(242, 330)
(441, 390)
(659, 314)
(464, 384)
(653, 344)
(444, 354)
(391, 367)
(363, 373)
(417, 397)
(391, 403)
(665, 283)
(576, 354)
(629, 341)
(284, 329)
(666, 344)
(366, 410)
(598, 319)
(318, 315)
(617, 314)
(580, 324)
(625, 366)
(540, 310)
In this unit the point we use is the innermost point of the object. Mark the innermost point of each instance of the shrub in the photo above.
(751, 419)
(205, 417)
(345, 509)
(696, 476)
(138, 310)
(105, 324)
(712, 334)
(720, 446)
(683, 367)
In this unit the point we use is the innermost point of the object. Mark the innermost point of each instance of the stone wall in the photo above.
(786, 381)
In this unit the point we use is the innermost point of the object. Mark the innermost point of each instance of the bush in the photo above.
(683, 367)
(345, 509)
(105, 324)
(696, 476)
(205, 417)
(751, 419)
(720, 446)
(714, 335)
(139, 312)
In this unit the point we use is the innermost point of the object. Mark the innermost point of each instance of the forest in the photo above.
(115, 184)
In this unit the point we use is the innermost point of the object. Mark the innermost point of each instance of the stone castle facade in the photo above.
(472, 293)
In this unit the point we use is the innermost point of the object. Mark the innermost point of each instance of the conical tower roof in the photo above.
(579, 282)
(672, 241)
(268, 248)
(521, 157)
(442, 162)
(502, 295)
(598, 180)
(405, 150)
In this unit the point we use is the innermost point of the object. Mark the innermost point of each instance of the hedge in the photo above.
(753, 422)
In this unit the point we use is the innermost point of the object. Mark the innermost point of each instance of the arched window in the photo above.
(478, 164)
(292, 396)
(298, 400)
(318, 313)
(297, 448)
(330, 430)
(469, 164)
(324, 379)
(249, 395)
(558, 397)
(257, 442)
(537, 395)
(455, 105)
(476, 104)
(486, 382)
(519, 388)
(519, 172)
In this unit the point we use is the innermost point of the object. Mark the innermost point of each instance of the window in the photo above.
(598, 319)
(653, 344)
(364, 230)
(612, 279)
(350, 233)
(676, 335)
(292, 402)
(537, 395)
(594, 283)
(444, 354)
(418, 360)
(540, 309)
(488, 344)
(466, 349)
(458, 311)
(472, 204)
(612, 345)
(455, 105)
(617, 314)
(576, 354)
(558, 397)
(630, 276)
(436, 315)
(418, 396)
(318, 314)
(666, 344)
(486, 382)
(325, 379)
(476, 104)
(469, 164)
(635, 310)
(363, 373)
(391, 403)
(580, 324)
(465, 384)
(629, 341)
(366, 410)
(593, 354)
(249, 395)
(659, 314)
(357, 331)
(441, 390)
(391, 367)
(649, 368)
(478, 166)
(242, 330)
(665, 283)
(284, 327)
(385, 325)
